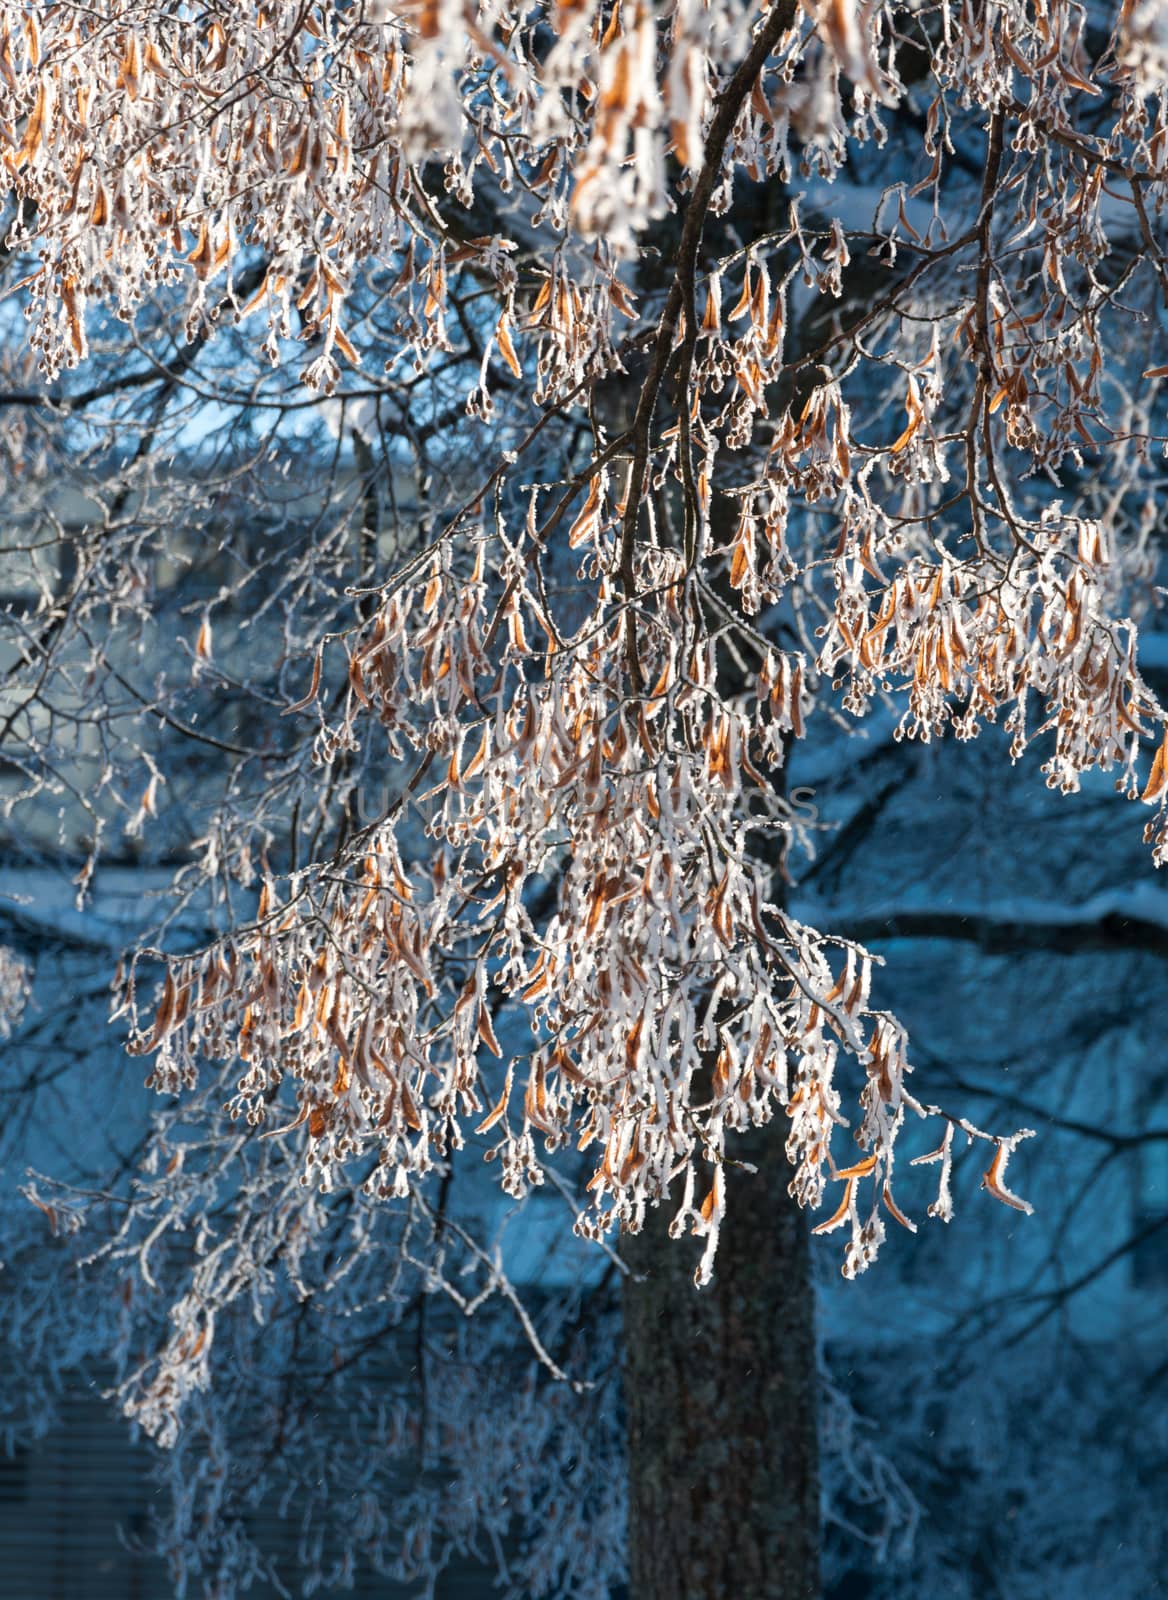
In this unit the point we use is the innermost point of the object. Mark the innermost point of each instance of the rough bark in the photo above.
(720, 1387)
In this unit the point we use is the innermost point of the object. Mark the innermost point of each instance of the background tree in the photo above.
(928, 486)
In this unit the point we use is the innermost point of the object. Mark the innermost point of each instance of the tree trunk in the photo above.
(721, 1383)
(720, 1388)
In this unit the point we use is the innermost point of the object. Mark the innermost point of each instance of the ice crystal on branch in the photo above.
(14, 987)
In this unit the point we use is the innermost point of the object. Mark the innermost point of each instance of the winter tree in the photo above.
(547, 420)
